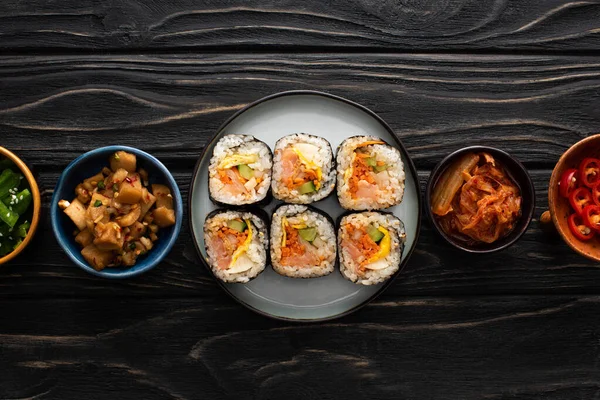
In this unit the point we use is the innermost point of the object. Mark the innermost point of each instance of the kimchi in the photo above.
(475, 200)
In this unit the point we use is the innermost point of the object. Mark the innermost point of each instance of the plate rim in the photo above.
(399, 143)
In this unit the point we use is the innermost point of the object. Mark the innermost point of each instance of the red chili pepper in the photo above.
(589, 171)
(591, 216)
(128, 180)
(579, 229)
(568, 182)
(596, 194)
(580, 198)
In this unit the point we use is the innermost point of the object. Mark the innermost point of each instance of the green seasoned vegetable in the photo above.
(379, 168)
(22, 229)
(9, 181)
(5, 242)
(375, 234)
(101, 185)
(245, 171)
(5, 247)
(9, 217)
(5, 163)
(307, 187)
(371, 161)
(8, 239)
(17, 244)
(308, 234)
(97, 203)
(15, 199)
(237, 225)
(19, 202)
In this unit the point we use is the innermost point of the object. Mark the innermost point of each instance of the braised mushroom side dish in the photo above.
(117, 214)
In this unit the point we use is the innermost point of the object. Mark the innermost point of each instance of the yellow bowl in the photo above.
(37, 203)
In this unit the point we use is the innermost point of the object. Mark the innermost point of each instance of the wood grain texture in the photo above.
(366, 24)
(517, 347)
(539, 263)
(54, 108)
(520, 324)
(533, 106)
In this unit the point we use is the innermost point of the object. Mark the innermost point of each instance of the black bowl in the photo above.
(519, 175)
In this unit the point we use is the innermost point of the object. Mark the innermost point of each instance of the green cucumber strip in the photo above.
(371, 161)
(307, 187)
(308, 234)
(374, 233)
(245, 171)
(237, 225)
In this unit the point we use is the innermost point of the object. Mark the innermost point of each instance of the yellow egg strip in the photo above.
(284, 223)
(385, 246)
(244, 247)
(237, 159)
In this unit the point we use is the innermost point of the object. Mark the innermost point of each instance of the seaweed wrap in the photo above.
(237, 244)
(239, 172)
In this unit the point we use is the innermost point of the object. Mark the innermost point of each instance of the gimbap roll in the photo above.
(370, 246)
(240, 170)
(303, 169)
(370, 174)
(236, 243)
(302, 242)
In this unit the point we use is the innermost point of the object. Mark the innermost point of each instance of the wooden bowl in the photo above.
(37, 203)
(559, 207)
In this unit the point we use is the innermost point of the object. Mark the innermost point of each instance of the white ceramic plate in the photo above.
(335, 119)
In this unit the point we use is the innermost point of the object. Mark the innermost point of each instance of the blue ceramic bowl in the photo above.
(89, 164)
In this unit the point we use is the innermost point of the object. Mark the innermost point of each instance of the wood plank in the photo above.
(533, 106)
(365, 24)
(518, 347)
(52, 109)
(539, 263)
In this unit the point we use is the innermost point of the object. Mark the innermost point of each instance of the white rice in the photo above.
(349, 267)
(325, 241)
(257, 252)
(229, 145)
(324, 160)
(390, 183)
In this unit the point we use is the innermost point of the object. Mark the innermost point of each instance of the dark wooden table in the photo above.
(520, 75)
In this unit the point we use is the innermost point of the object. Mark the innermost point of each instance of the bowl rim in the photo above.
(397, 141)
(37, 203)
(552, 201)
(477, 148)
(62, 241)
